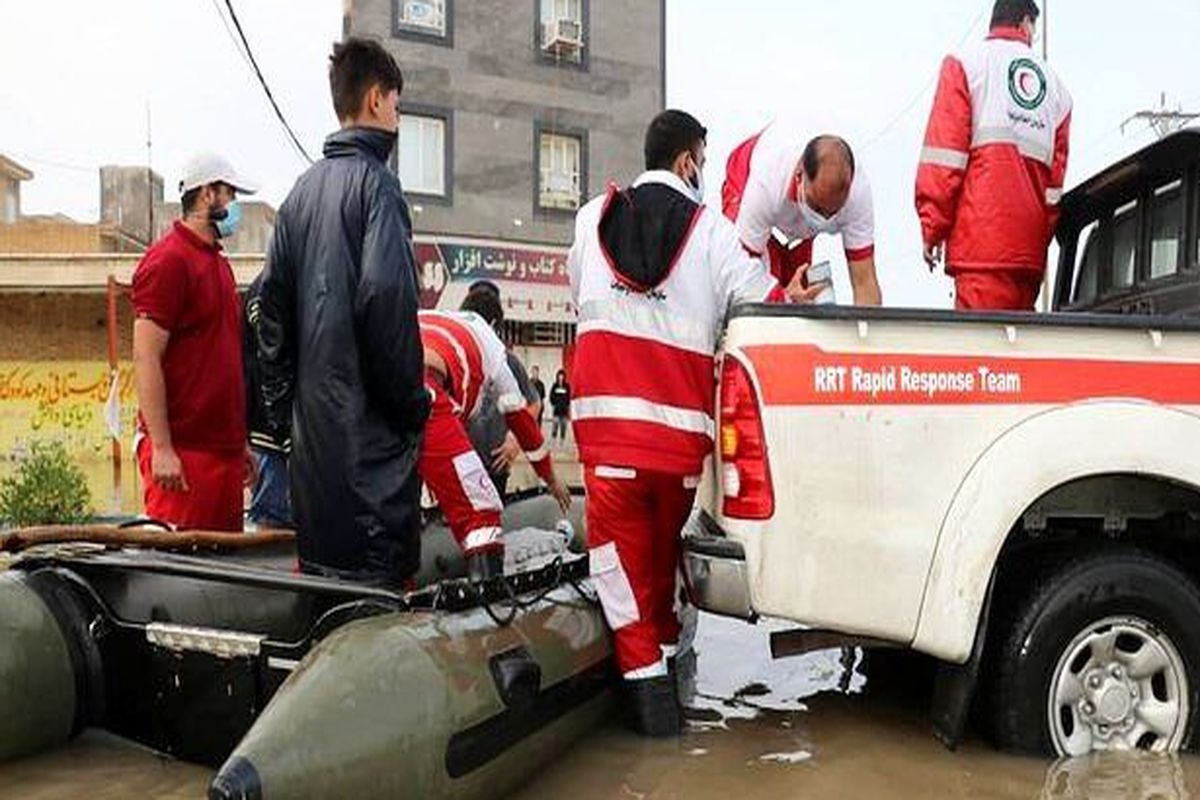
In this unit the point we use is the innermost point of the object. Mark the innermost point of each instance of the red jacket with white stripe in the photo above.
(995, 157)
(653, 274)
(477, 362)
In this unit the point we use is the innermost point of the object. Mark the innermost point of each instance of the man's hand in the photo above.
(167, 470)
(560, 492)
(251, 470)
(504, 456)
(798, 293)
(935, 255)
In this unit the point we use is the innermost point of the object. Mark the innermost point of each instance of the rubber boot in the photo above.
(653, 706)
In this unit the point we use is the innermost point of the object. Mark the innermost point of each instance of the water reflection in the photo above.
(1114, 776)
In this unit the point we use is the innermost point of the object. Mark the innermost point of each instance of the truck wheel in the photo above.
(1103, 654)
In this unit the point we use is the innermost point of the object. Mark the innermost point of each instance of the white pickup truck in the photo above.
(1017, 495)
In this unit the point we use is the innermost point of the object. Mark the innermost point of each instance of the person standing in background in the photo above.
(560, 403)
(535, 380)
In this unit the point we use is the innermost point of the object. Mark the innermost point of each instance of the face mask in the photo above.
(697, 183)
(818, 222)
(226, 220)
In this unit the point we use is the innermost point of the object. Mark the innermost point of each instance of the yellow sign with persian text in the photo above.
(64, 401)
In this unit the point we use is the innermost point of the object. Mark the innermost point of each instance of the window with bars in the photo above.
(421, 154)
(560, 167)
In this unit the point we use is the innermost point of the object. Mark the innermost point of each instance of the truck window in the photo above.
(1087, 265)
(1124, 261)
(1166, 230)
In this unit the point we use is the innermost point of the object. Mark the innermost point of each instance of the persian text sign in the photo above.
(444, 261)
(63, 401)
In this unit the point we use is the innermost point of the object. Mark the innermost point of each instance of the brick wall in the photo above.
(44, 326)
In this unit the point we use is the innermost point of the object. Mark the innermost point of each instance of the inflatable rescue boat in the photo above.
(304, 687)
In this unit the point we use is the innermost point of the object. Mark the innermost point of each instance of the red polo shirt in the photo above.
(186, 286)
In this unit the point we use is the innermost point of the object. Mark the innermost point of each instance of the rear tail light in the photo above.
(745, 471)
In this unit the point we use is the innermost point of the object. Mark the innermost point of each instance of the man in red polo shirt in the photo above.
(191, 429)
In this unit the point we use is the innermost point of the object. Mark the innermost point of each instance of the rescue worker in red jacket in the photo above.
(653, 273)
(783, 189)
(993, 165)
(465, 361)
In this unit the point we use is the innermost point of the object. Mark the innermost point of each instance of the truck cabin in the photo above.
(1129, 237)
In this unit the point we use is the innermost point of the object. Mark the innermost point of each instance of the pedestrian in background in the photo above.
(187, 349)
(560, 403)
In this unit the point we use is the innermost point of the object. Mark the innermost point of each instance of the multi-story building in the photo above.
(513, 113)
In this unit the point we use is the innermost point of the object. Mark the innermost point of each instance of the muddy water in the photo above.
(811, 727)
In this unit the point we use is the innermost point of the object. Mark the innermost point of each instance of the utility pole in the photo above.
(1164, 121)
(149, 181)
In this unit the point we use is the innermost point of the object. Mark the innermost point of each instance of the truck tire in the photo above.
(1100, 654)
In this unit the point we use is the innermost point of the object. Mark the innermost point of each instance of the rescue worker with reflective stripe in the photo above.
(993, 165)
(465, 362)
(783, 189)
(653, 273)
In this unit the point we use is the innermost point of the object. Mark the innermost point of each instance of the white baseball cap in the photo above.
(206, 168)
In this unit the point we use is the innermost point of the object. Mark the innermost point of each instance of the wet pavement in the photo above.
(812, 726)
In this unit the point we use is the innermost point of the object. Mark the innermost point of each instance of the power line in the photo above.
(263, 82)
(232, 36)
(904, 112)
(45, 162)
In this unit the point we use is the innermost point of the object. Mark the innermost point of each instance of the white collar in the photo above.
(666, 178)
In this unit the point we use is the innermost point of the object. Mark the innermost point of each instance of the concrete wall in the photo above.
(36, 236)
(253, 236)
(127, 197)
(498, 89)
(10, 199)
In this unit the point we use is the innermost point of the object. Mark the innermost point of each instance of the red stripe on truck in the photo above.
(806, 375)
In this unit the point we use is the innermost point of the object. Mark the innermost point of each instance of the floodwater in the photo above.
(825, 725)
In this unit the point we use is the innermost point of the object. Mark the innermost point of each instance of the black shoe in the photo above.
(653, 706)
(485, 565)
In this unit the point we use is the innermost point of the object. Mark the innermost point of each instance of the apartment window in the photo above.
(423, 19)
(561, 168)
(422, 159)
(562, 30)
(1166, 230)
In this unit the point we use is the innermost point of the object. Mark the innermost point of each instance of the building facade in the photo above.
(514, 113)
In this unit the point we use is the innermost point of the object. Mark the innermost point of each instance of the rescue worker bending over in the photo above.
(783, 189)
(465, 361)
(653, 273)
(993, 166)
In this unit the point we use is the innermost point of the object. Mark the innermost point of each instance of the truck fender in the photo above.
(1034, 457)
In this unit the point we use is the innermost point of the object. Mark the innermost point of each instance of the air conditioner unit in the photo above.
(563, 37)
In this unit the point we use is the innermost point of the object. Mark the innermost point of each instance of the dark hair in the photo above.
(486, 304)
(355, 66)
(484, 285)
(189, 200)
(562, 374)
(818, 152)
(671, 133)
(1010, 13)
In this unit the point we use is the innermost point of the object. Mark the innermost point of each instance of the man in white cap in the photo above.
(187, 349)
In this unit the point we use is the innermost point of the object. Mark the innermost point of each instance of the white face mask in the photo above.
(818, 222)
(696, 184)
